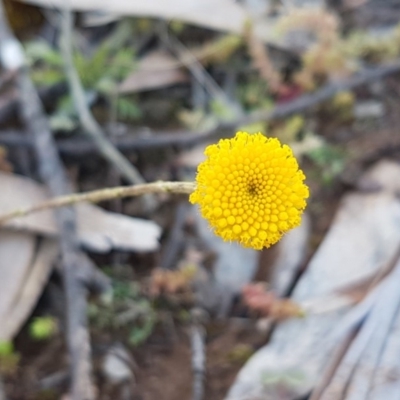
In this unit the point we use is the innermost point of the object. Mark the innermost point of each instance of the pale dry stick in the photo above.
(97, 196)
(197, 337)
(187, 58)
(53, 174)
(90, 125)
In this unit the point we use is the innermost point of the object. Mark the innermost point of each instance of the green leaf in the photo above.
(41, 51)
(140, 333)
(47, 77)
(62, 122)
(127, 109)
(43, 328)
(6, 348)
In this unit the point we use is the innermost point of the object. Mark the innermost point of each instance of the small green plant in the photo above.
(144, 327)
(100, 73)
(373, 48)
(127, 109)
(254, 94)
(286, 380)
(42, 328)
(125, 310)
(329, 160)
(289, 130)
(342, 106)
(240, 353)
(9, 359)
(6, 348)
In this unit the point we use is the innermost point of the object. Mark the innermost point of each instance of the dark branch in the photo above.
(53, 175)
(79, 146)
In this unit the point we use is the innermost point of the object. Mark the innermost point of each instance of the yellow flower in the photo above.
(250, 189)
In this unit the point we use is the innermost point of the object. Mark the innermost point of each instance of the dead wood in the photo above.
(53, 174)
(367, 368)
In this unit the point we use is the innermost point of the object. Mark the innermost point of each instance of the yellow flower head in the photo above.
(250, 189)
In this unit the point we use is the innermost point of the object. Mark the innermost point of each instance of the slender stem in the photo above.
(97, 196)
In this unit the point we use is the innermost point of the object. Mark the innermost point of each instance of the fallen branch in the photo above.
(79, 146)
(97, 196)
(308, 101)
(53, 174)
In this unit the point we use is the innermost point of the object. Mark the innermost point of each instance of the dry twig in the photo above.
(192, 63)
(187, 58)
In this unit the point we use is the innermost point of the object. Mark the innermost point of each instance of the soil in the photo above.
(162, 370)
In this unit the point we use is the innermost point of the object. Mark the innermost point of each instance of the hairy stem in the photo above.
(103, 194)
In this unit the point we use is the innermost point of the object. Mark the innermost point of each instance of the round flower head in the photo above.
(250, 189)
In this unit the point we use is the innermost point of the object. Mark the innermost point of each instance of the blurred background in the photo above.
(136, 298)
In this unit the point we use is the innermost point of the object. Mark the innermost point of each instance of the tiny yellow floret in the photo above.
(250, 189)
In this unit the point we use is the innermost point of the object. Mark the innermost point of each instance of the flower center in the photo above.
(252, 189)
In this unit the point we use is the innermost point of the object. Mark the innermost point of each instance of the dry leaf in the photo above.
(170, 282)
(261, 300)
(25, 265)
(366, 365)
(156, 70)
(221, 15)
(382, 176)
(103, 231)
(17, 250)
(5, 166)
